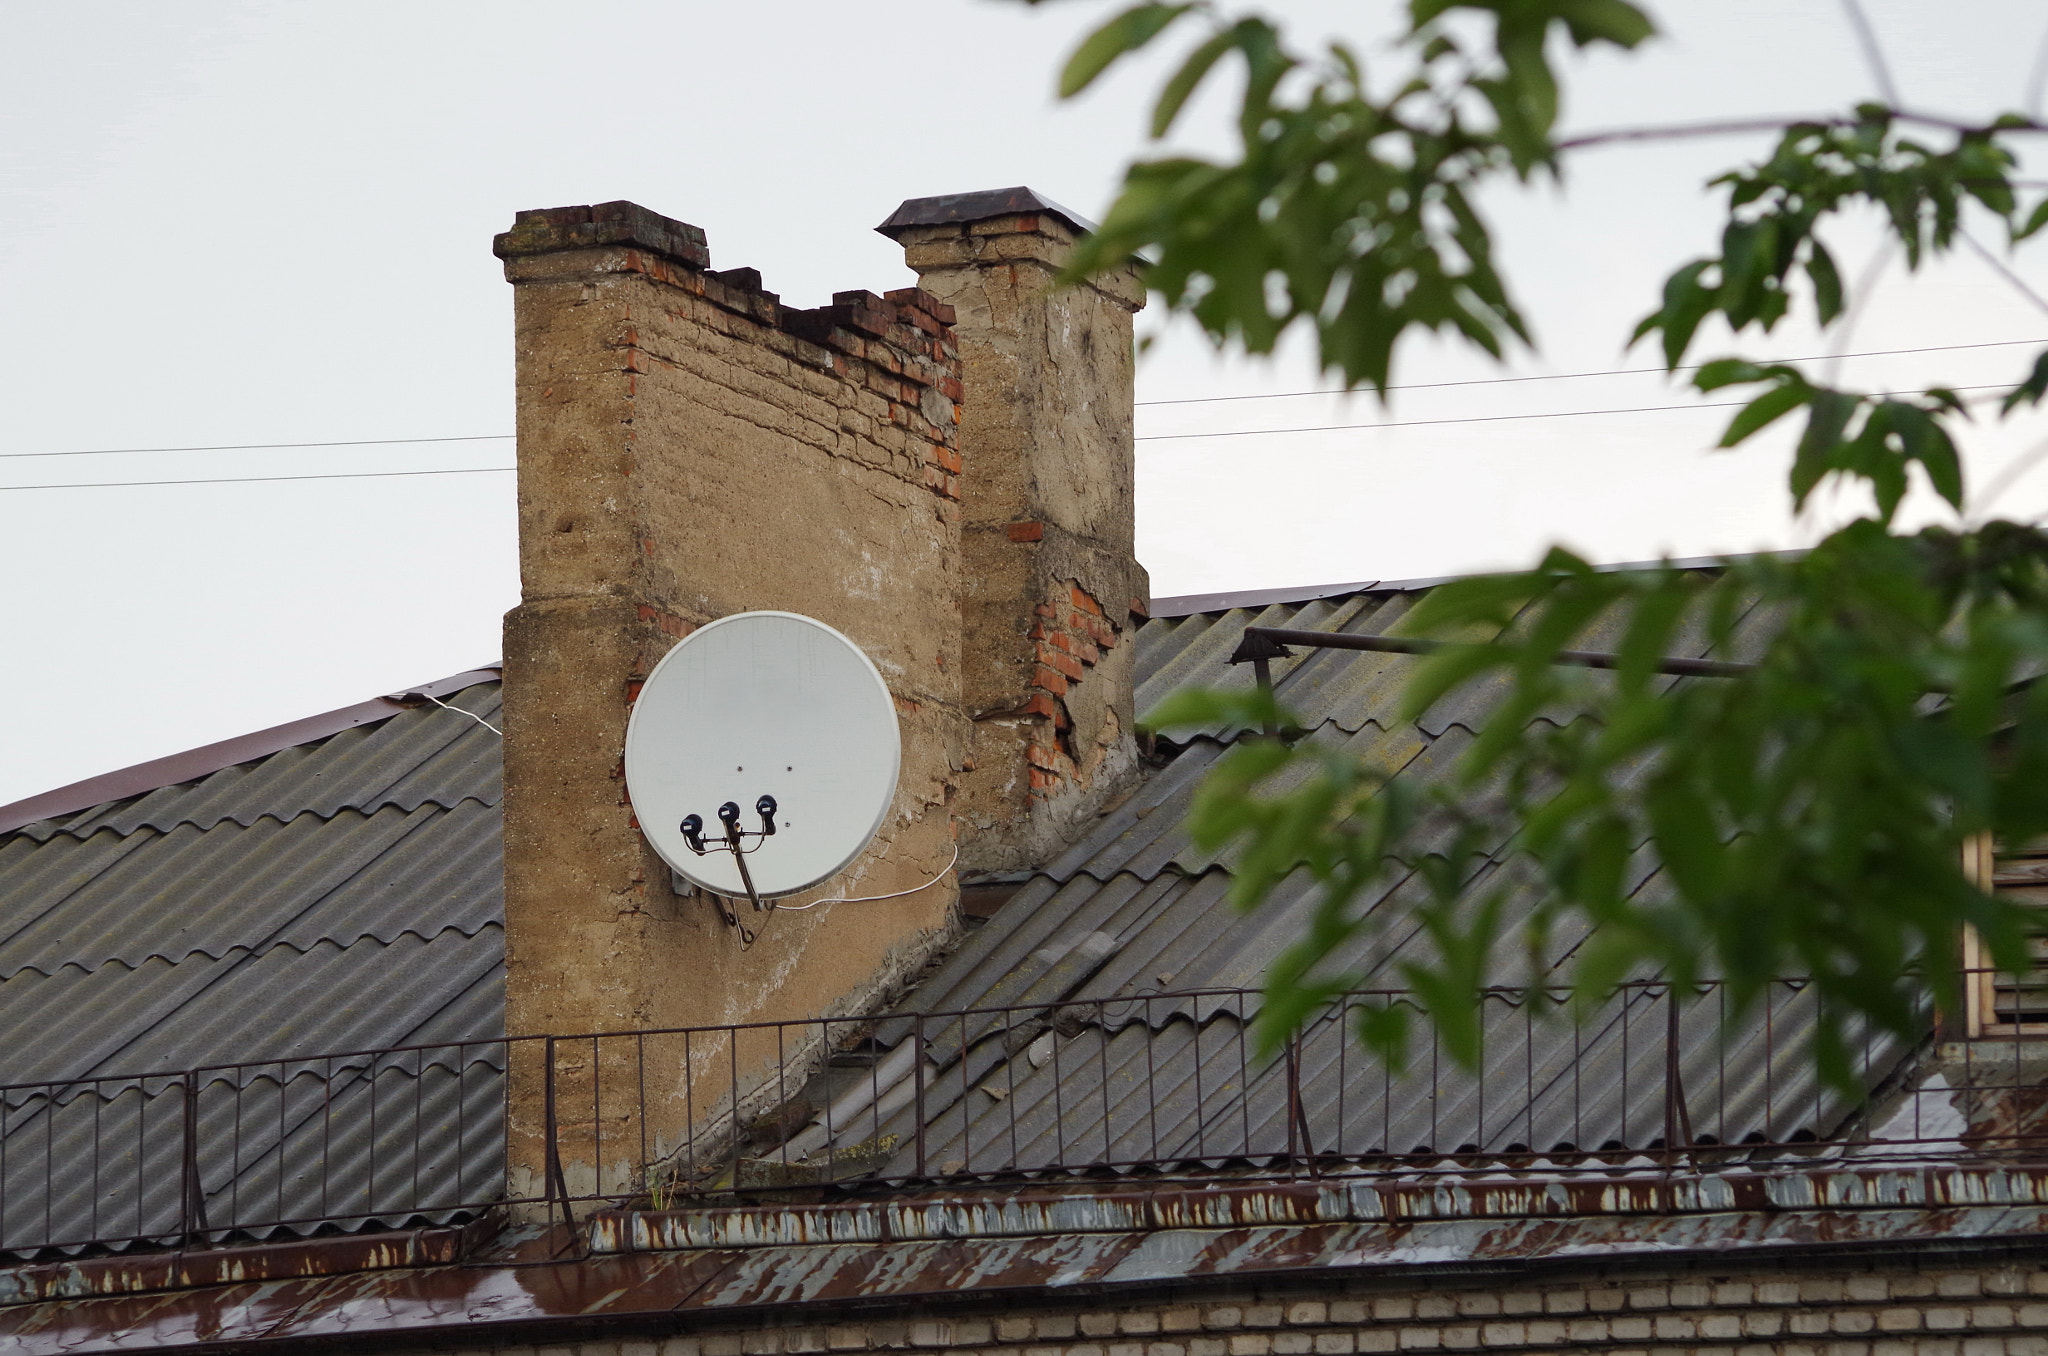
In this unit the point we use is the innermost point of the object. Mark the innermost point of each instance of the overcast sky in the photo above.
(263, 223)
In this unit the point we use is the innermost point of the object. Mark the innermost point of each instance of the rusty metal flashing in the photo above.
(493, 1303)
(209, 758)
(198, 1268)
(1060, 1213)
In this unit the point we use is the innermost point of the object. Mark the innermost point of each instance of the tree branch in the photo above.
(1740, 126)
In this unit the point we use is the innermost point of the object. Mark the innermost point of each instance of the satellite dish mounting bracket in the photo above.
(734, 841)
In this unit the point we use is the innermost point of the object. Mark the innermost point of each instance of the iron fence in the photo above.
(1161, 1085)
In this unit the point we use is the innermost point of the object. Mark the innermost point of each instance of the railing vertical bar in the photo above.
(1151, 1081)
(1244, 1084)
(419, 1079)
(966, 1103)
(1102, 1067)
(732, 1078)
(640, 1100)
(782, 1080)
(597, 1186)
(917, 1059)
(1010, 1072)
(690, 1111)
(557, 1183)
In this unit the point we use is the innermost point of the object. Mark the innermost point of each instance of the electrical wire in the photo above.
(247, 480)
(1193, 400)
(460, 712)
(267, 447)
(869, 899)
(1481, 419)
(1576, 376)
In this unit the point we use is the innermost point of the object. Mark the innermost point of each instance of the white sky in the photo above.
(227, 223)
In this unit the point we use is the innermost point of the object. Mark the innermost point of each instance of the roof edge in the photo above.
(208, 758)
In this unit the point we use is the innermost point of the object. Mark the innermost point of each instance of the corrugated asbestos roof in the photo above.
(342, 894)
(1110, 1072)
(345, 894)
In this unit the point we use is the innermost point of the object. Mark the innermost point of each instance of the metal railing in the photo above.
(1161, 1085)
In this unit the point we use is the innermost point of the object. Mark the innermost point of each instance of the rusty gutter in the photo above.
(657, 1293)
(1047, 1213)
(195, 1268)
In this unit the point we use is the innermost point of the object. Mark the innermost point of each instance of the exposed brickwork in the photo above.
(1071, 635)
(1048, 507)
(690, 447)
(1899, 1310)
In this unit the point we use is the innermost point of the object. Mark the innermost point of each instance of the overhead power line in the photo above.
(1611, 372)
(247, 480)
(1193, 400)
(266, 447)
(1480, 419)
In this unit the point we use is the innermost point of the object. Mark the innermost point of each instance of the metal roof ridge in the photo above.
(1189, 604)
(192, 764)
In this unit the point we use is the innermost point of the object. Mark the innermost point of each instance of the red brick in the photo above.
(1140, 608)
(946, 457)
(1051, 681)
(1043, 781)
(1066, 664)
(1062, 641)
(1038, 755)
(1026, 532)
(1084, 602)
(1042, 704)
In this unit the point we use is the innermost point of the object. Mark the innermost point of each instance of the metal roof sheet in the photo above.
(340, 894)
(1135, 909)
(345, 894)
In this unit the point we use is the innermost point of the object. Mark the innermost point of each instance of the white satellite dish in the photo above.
(763, 751)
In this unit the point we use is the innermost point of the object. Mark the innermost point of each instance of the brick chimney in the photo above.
(1053, 585)
(689, 448)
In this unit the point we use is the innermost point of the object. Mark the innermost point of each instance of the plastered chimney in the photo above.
(689, 448)
(1052, 581)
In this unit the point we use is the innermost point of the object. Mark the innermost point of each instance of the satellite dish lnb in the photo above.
(762, 755)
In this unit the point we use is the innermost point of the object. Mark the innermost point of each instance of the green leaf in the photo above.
(1726, 372)
(2030, 391)
(1766, 409)
(2036, 219)
(1827, 282)
(1174, 94)
(1123, 34)
(1590, 21)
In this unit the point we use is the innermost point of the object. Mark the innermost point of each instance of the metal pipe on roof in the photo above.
(1269, 642)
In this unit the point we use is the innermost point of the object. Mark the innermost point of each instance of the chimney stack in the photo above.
(1052, 583)
(689, 448)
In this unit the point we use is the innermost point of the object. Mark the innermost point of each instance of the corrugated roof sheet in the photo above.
(342, 894)
(345, 894)
(1135, 910)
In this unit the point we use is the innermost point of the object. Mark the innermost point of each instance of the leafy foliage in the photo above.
(1809, 813)
(1350, 213)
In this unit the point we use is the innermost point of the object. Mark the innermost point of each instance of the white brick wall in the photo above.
(1995, 1311)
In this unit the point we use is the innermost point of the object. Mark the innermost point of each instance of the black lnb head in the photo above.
(693, 833)
(765, 807)
(729, 815)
